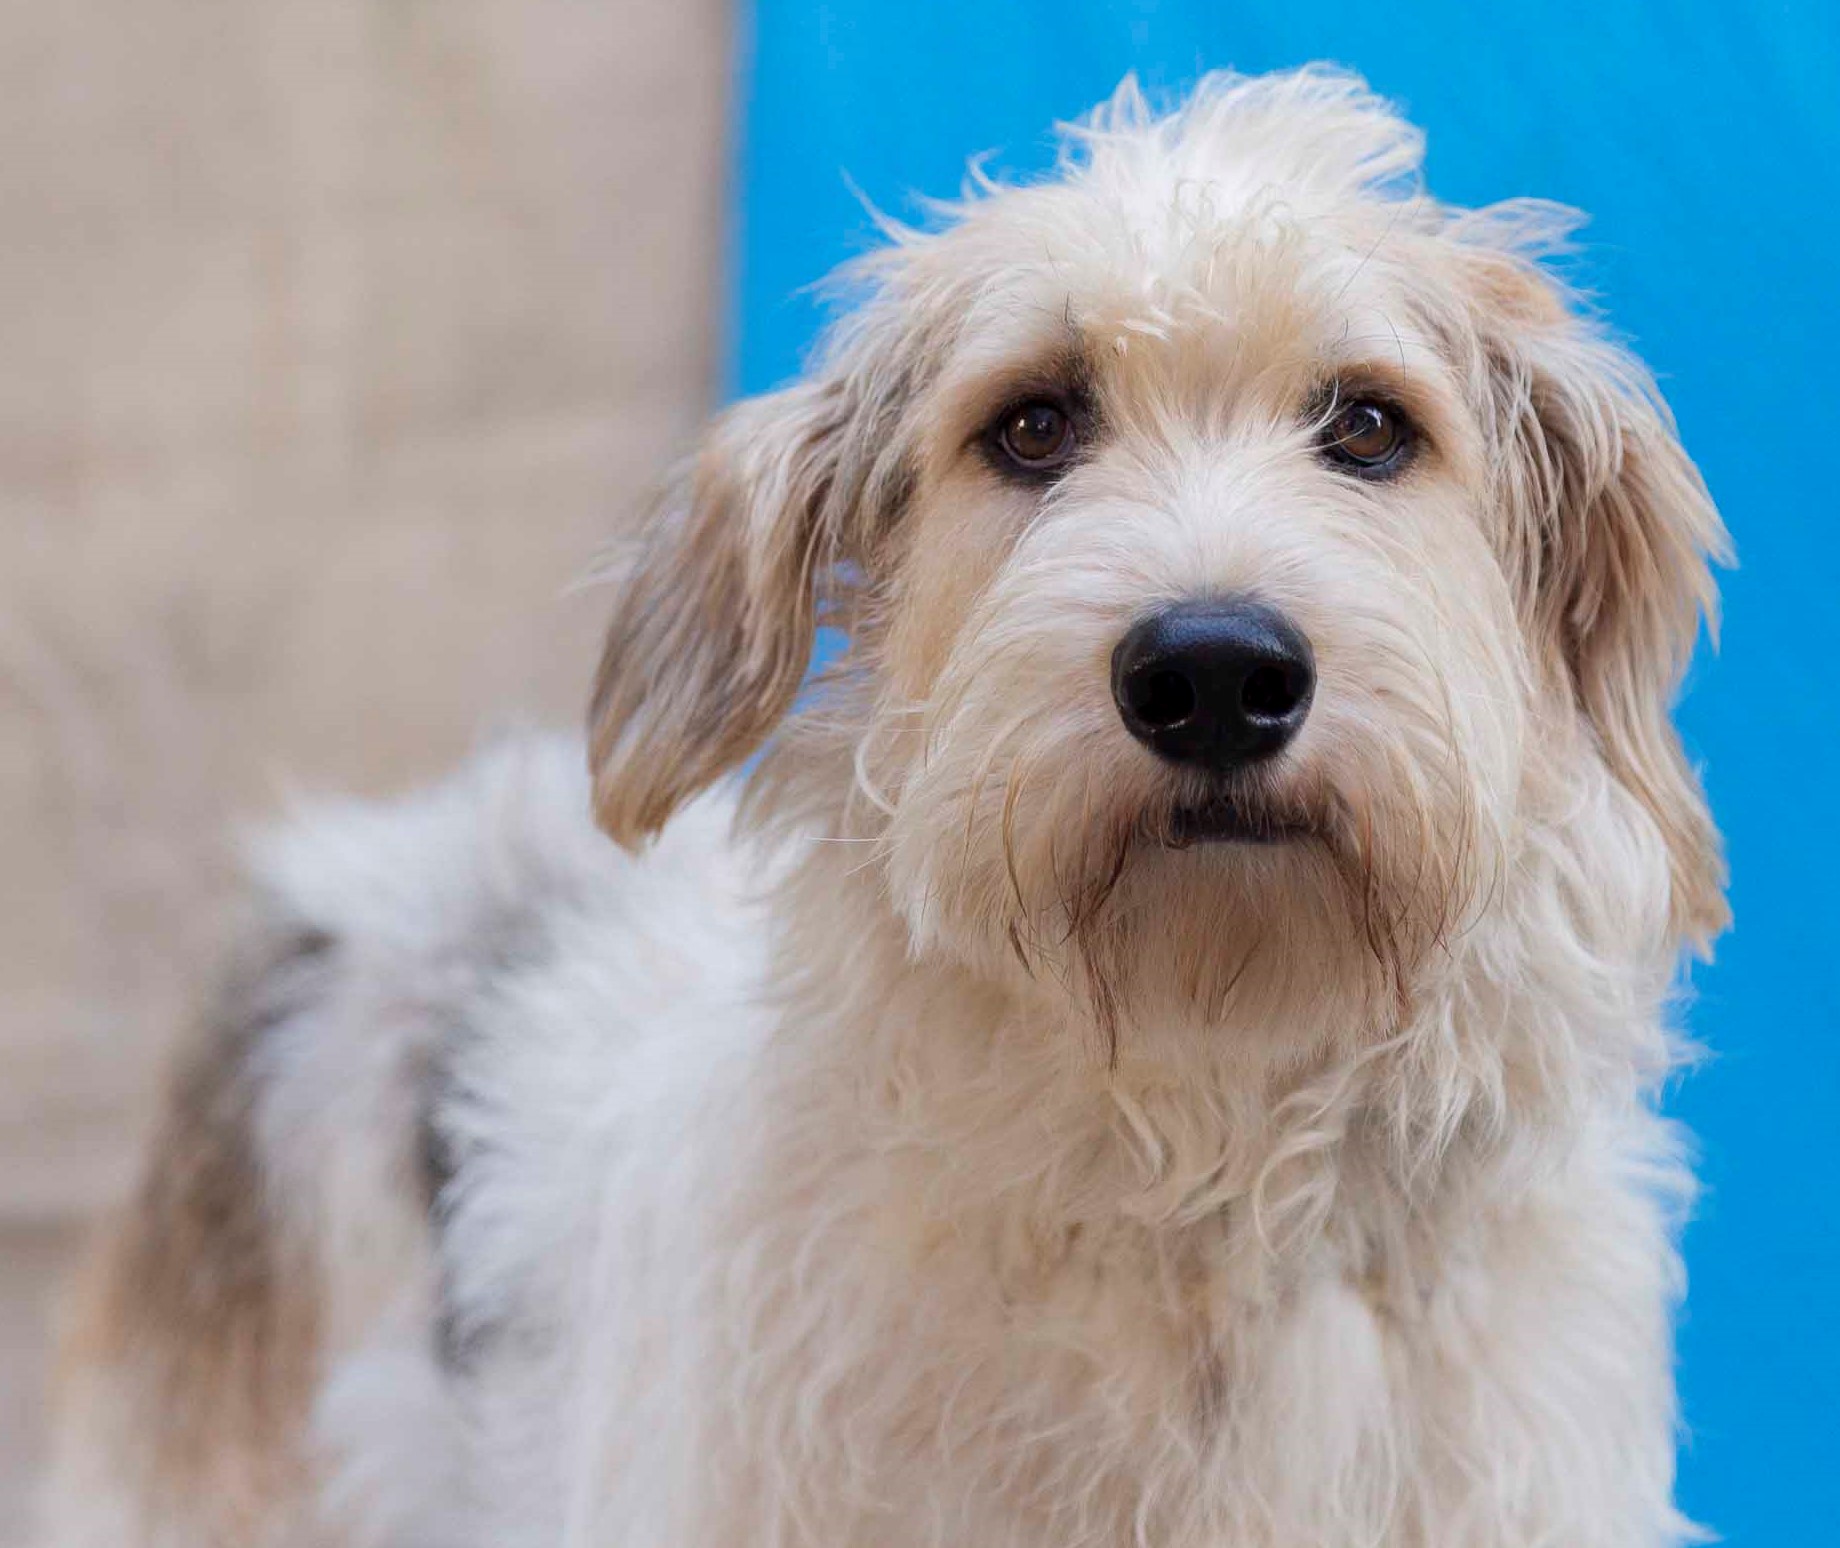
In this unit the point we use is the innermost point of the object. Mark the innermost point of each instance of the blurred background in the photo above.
(333, 335)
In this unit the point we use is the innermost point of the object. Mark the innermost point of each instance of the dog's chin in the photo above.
(1231, 916)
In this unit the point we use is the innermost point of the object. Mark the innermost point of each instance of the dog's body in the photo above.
(1022, 1128)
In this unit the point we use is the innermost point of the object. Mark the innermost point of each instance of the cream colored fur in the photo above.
(935, 1156)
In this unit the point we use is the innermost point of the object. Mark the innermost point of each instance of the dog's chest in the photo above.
(1068, 1383)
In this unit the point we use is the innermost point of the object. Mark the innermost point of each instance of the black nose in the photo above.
(1218, 684)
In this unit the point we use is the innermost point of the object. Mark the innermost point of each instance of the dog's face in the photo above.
(1242, 558)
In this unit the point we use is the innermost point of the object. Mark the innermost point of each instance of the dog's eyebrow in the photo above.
(1066, 371)
(1385, 374)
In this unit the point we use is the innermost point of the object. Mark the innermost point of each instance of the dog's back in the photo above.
(282, 1254)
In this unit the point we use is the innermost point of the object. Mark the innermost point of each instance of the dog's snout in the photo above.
(1217, 684)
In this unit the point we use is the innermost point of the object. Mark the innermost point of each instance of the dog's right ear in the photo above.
(716, 613)
(789, 495)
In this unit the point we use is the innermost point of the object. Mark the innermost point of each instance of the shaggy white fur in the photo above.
(946, 1151)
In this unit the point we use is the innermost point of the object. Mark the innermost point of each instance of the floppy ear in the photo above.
(1611, 533)
(717, 610)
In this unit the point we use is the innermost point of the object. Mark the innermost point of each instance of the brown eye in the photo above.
(1365, 436)
(1036, 436)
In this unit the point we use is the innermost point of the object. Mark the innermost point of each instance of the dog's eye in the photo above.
(1366, 437)
(1036, 436)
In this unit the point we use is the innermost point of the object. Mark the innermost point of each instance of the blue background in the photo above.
(1704, 138)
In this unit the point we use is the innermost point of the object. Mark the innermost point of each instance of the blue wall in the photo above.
(1704, 137)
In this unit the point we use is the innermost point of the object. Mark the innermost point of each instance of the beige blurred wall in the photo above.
(333, 336)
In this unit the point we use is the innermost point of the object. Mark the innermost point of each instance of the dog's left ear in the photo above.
(1611, 535)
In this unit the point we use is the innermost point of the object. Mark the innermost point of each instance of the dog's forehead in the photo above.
(1259, 275)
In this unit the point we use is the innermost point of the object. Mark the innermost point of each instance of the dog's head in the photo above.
(1245, 559)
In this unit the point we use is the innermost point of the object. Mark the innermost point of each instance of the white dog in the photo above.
(1165, 1055)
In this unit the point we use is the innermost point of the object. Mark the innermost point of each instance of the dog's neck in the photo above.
(986, 1098)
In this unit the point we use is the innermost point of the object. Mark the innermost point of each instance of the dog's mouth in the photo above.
(1225, 819)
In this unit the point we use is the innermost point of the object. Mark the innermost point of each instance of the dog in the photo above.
(1160, 1046)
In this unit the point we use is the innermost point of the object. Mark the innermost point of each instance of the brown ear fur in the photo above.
(1612, 531)
(714, 626)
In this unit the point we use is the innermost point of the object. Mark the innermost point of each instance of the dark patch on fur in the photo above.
(436, 1154)
(899, 486)
(513, 944)
(442, 1158)
(270, 981)
(203, 1302)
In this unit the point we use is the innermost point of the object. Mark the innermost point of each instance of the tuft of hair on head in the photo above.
(1318, 130)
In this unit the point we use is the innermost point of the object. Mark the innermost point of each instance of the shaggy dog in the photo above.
(1161, 1049)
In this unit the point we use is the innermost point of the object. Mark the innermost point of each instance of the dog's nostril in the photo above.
(1162, 699)
(1268, 692)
